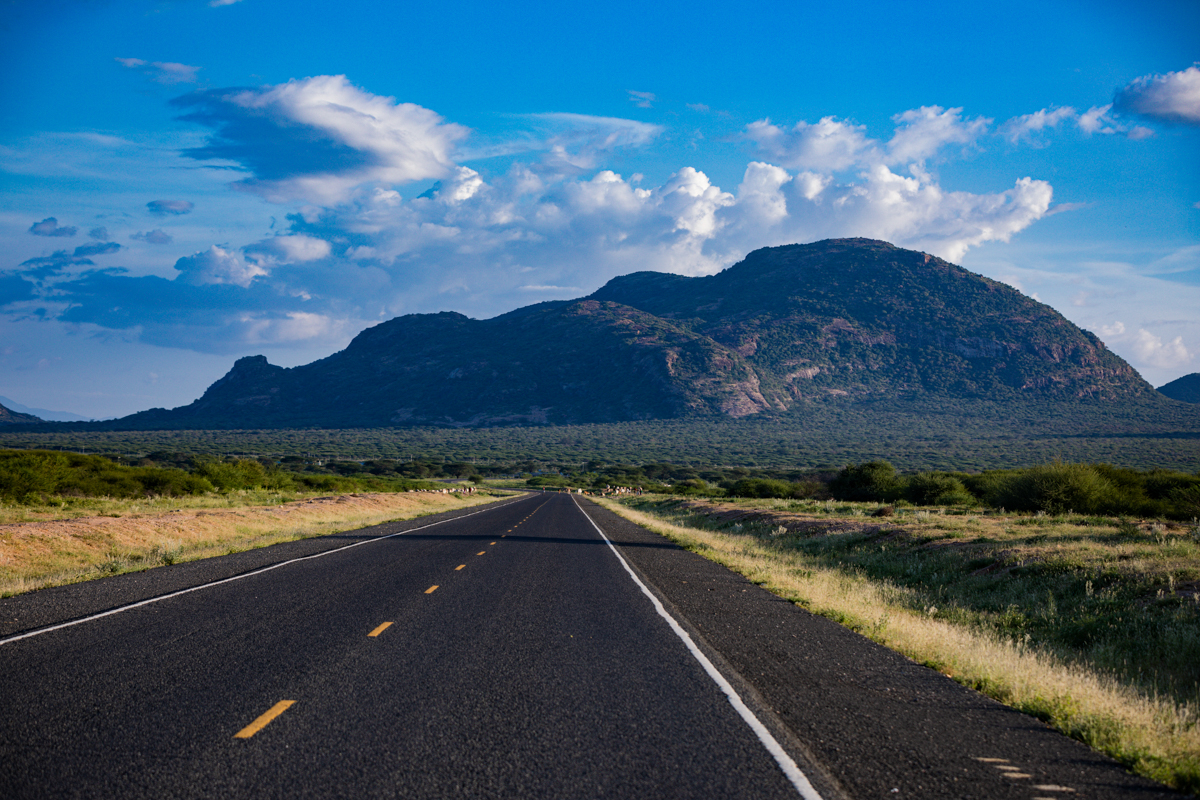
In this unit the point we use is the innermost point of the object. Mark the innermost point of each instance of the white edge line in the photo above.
(786, 763)
(148, 601)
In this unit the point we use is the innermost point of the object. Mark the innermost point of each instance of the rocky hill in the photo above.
(849, 318)
(1185, 389)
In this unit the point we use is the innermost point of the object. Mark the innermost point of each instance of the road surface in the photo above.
(500, 651)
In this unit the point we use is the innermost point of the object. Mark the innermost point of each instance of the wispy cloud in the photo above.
(96, 249)
(174, 208)
(168, 73)
(1027, 126)
(642, 99)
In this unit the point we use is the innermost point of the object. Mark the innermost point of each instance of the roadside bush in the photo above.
(172, 482)
(1186, 501)
(770, 487)
(936, 489)
(29, 475)
(695, 487)
(1055, 489)
(229, 476)
(874, 481)
(25, 475)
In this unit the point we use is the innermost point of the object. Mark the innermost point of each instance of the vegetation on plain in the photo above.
(956, 435)
(1089, 622)
(33, 476)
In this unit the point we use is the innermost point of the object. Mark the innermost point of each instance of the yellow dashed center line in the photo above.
(430, 589)
(460, 566)
(264, 720)
(380, 629)
(481, 552)
(491, 542)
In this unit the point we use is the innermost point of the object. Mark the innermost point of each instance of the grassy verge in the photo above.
(84, 538)
(1092, 625)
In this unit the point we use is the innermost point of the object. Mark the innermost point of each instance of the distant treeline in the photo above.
(1053, 488)
(30, 476)
(953, 435)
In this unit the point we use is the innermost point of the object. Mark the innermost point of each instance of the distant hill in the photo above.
(1186, 388)
(43, 413)
(10, 417)
(854, 319)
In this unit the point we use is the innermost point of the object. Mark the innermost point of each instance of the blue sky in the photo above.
(184, 182)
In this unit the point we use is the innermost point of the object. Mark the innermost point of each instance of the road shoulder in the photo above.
(877, 722)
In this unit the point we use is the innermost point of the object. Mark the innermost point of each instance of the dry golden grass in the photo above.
(136, 535)
(1154, 736)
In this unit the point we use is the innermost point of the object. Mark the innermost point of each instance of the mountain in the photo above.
(44, 413)
(10, 417)
(1186, 389)
(854, 319)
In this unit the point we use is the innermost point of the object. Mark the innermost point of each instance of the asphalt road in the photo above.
(505, 651)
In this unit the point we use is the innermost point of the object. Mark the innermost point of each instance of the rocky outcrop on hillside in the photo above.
(849, 318)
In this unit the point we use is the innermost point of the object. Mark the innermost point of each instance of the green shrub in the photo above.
(1186, 501)
(229, 476)
(697, 487)
(936, 489)
(25, 475)
(770, 487)
(1055, 489)
(30, 475)
(875, 481)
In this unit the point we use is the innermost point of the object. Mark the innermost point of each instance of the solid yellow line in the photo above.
(380, 629)
(264, 720)
(430, 589)
(460, 566)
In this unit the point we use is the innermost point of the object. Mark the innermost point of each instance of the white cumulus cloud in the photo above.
(1174, 97)
(923, 131)
(833, 145)
(320, 138)
(829, 145)
(1152, 350)
(217, 265)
